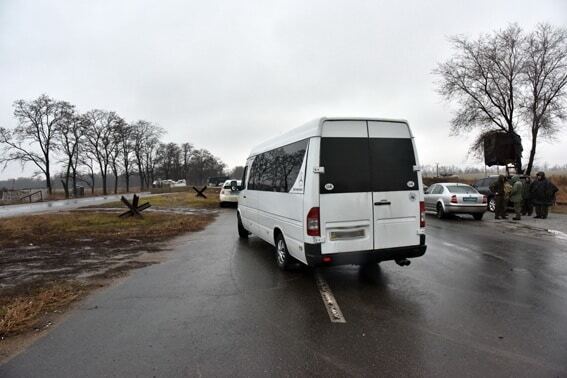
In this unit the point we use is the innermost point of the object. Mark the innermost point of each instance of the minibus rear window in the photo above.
(367, 165)
(392, 161)
(347, 165)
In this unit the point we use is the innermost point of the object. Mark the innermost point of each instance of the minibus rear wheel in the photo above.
(283, 258)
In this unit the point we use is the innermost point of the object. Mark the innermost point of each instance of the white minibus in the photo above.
(336, 191)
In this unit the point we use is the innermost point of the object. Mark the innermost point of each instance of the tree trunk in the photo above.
(92, 182)
(115, 182)
(65, 184)
(48, 179)
(532, 154)
(74, 177)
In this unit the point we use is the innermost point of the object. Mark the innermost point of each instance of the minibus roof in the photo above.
(310, 129)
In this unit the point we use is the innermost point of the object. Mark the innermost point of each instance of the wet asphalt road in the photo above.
(483, 301)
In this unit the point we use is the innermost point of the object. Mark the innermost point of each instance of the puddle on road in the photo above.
(558, 234)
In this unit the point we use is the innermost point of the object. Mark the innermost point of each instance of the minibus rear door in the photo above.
(345, 199)
(394, 183)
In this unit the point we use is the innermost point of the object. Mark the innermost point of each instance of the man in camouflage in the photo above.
(498, 187)
(516, 196)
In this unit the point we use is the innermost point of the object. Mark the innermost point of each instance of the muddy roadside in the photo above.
(50, 261)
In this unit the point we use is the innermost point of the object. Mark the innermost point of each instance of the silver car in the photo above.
(454, 198)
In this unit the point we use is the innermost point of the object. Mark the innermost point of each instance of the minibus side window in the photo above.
(251, 180)
(277, 170)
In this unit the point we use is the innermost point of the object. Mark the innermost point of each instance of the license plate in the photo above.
(338, 235)
(469, 199)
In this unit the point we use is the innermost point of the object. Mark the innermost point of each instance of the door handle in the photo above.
(382, 203)
(244, 196)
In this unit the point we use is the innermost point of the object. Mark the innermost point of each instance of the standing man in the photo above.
(498, 188)
(516, 196)
(527, 208)
(543, 195)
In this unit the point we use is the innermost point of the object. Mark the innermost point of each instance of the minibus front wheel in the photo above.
(242, 232)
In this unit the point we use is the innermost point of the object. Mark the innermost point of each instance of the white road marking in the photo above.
(335, 313)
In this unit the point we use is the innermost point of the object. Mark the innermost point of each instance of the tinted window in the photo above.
(438, 189)
(367, 165)
(392, 162)
(347, 165)
(277, 170)
(244, 176)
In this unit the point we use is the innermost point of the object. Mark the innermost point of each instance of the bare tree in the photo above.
(237, 172)
(99, 134)
(34, 139)
(88, 162)
(70, 136)
(202, 165)
(116, 149)
(546, 82)
(124, 136)
(186, 149)
(146, 137)
(168, 160)
(484, 78)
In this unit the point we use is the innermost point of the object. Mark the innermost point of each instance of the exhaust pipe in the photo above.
(403, 262)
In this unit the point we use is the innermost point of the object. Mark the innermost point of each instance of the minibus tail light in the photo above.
(313, 223)
(421, 214)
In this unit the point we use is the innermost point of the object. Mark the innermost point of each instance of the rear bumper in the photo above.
(468, 209)
(228, 198)
(315, 258)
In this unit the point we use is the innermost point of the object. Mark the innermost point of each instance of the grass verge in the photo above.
(183, 200)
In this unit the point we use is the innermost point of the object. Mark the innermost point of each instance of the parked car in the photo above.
(217, 181)
(483, 187)
(455, 198)
(230, 192)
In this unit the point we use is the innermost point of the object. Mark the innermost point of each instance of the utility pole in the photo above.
(437, 169)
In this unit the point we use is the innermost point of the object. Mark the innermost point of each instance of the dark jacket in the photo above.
(498, 186)
(526, 191)
(542, 192)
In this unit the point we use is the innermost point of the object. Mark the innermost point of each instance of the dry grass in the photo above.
(561, 182)
(181, 200)
(72, 227)
(22, 312)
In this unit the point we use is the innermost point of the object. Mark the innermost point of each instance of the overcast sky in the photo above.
(225, 75)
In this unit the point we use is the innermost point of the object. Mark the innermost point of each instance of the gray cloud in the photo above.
(226, 75)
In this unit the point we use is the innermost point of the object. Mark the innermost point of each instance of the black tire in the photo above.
(491, 204)
(478, 216)
(242, 232)
(440, 212)
(283, 258)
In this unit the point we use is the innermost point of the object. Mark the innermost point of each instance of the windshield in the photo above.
(227, 183)
(461, 189)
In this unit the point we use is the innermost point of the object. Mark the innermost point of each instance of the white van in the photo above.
(336, 191)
